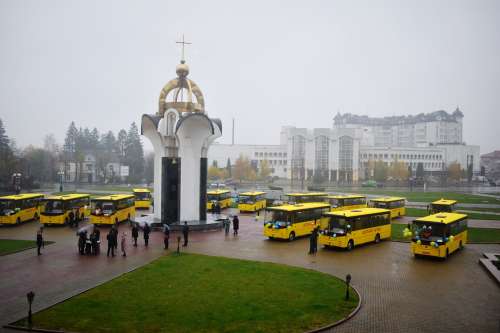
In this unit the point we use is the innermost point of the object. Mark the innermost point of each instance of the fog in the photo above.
(266, 64)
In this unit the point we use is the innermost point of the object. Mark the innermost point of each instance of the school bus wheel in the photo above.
(116, 220)
(270, 237)
(291, 237)
(66, 220)
(128, 217)
(350, 245)
(35, 217)
(447, 253)
(460, 245)
(377, 238)
(18, 220)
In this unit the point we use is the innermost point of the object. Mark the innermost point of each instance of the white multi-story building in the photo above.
(342, 153)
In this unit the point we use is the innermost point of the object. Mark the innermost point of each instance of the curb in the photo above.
(25, 249)
(343, 320)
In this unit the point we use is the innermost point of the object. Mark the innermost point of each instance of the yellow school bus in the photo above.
(346, 202)
(439, 235)
(112, 209)
(64, 209)
(295, 198)
(442, 205)
(223, 197)
(18, 208)
(348, 228)
(142, 198)
(251, 201)
(395, 204)
(291, 221)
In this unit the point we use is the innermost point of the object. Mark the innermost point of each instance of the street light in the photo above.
(16, 182)
(31, 297)
(61, 175)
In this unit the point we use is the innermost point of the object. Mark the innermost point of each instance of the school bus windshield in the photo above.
(103, 207)
(442, 208)
(142, 195)
(337, 224)
(429, 231)
(54, 206)
(6, 206)
(247, 199)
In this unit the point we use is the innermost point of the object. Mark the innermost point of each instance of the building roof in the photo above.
(358, 212)
(388, 199)
(441, 115)
(444, 218)
(493, 154)
(22, 196)
(299, 207)
(252, 193)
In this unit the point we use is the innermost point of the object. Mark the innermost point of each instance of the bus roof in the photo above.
(69, 196)
(252, 193)
(113, 197)
(346, 196)
(442, 217)
(22, 196)
(311, 194)
(358, 212)
(445, 202)
(299, 207)
(218, 191)
(141, 190)
(388, 199)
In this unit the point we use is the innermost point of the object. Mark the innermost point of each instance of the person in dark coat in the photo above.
(111, 245)
(115, 236)
(236, 225)
(97, 233)
(217, 209)
(166, 236)
(39, 241)
(135, 234)
(146, 231)
(313, 242)
(81, 243)
(185, 233)
(227, 225)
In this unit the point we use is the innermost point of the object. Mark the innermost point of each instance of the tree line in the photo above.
(44, 164)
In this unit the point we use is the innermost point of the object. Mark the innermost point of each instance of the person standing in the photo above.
(313, 242)
(166, 236)
(227, 225)
(146, 231)
(111, 246)
(135, 233)
(236, 225)
(97, 239)
(81, 243)
(185, 233)
(114, 229)
(39, 241)
(123, 243)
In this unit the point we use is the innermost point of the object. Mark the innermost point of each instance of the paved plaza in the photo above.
(400, 293)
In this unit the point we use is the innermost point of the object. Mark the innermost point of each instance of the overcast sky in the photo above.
(267, 64)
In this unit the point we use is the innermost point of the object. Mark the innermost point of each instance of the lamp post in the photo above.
(31, 297)
(16, 182)
(347, 282)
(61, 177)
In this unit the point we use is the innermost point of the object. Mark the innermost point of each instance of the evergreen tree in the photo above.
(134, 154)
(6, 156)
(104, 153)
(228, 168)
(121, 144)
(93, 140)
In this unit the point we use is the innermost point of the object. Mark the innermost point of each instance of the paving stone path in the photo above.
(400, 293)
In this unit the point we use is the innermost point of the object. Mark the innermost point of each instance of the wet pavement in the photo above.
(400, 293)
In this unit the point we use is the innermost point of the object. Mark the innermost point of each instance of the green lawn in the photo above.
(8, 246)
(475, 235)
(425, 196)
(196, 293)
(417, 212)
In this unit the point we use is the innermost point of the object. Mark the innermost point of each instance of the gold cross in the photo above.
(183, 43)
